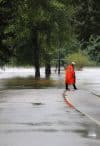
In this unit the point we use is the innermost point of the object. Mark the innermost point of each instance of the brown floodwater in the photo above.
(31, 83)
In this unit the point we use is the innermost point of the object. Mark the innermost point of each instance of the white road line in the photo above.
(87, 115)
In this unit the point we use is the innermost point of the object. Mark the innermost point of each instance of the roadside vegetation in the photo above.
(40, 33)
(81, 60)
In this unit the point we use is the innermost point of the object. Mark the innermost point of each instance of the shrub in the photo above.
(79, 58)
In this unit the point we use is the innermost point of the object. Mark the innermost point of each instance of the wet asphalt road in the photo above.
(31, 116)
(40, 117)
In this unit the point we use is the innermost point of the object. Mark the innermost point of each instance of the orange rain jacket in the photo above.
(70, 75)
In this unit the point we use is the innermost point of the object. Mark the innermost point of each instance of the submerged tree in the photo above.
(39, 25)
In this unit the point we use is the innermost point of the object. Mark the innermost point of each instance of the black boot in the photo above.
(66, 85)
(74, 86)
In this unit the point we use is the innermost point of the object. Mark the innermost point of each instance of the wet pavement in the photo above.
(41, 117)
(85, 102)
(31, 115)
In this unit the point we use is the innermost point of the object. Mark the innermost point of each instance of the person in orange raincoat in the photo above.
(70, 78)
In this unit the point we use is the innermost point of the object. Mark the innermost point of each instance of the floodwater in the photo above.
(33, 112)
(89, 79)
(23, 78)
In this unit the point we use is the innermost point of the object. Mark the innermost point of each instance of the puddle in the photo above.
(37, 104)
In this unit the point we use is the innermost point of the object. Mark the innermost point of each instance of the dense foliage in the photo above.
(42, 31)
(7, 14)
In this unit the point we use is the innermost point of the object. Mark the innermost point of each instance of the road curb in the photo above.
(67, 101)
(70, 104)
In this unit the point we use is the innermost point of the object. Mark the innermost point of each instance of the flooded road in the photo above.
(34, 112)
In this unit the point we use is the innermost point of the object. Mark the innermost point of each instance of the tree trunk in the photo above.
(36, 54)
(48, 69)
(48, 57)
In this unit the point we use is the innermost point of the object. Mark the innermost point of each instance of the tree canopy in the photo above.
(33, 32)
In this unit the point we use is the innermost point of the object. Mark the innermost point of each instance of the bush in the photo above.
(79, 58)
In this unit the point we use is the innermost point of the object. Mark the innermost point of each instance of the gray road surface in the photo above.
(85, 102)
(40, 117)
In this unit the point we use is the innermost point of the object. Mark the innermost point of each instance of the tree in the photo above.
(7, 15)
(86, 19)
(41, 24)
(93, 48)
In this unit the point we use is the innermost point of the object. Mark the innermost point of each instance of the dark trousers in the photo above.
(73, 86)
